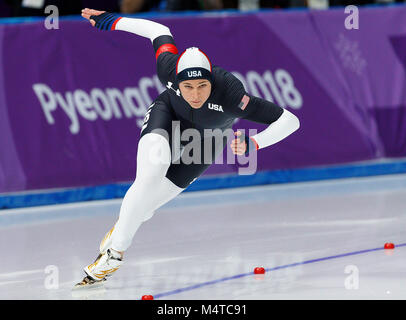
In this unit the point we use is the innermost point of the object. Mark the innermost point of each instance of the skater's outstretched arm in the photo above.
(109, 21)
(160, 36)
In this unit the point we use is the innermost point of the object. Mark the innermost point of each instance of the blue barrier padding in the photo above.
(114, 191)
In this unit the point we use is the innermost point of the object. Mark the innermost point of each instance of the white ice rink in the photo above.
(319, 240)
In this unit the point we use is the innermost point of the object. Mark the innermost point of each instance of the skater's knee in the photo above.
(154, 154)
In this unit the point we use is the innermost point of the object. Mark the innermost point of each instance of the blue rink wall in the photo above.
(113, 191)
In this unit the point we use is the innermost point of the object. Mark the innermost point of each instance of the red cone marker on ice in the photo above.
(147, 297)
(389, 245)
(259, 270)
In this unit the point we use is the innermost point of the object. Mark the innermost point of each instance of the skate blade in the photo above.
(89, 283)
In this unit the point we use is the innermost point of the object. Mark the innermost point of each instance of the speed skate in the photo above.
(107, 262)
(89, 283)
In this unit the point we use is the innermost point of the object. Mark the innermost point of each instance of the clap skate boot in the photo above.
(107, 262)
(106, 242)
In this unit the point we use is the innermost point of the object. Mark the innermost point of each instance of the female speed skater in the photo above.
(198, 96)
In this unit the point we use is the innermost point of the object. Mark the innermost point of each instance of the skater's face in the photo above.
(195, 92)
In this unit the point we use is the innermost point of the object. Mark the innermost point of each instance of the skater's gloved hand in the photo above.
(243, 144)
(102, 20)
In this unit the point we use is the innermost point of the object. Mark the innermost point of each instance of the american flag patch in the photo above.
(244, 102)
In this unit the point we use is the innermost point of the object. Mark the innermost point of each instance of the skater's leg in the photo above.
(150, 190)
(178, 177)
(153, 160)
(166, 183)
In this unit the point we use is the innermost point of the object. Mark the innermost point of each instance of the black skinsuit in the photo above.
(228, 100)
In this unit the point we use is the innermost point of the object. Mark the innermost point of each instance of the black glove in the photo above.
(105, 20)
(251, 145)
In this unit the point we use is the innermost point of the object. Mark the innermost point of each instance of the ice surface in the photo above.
(317, 240)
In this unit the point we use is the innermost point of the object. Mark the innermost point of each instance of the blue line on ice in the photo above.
(208, 283)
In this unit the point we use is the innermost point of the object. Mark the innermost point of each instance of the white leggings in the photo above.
(150, 190)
